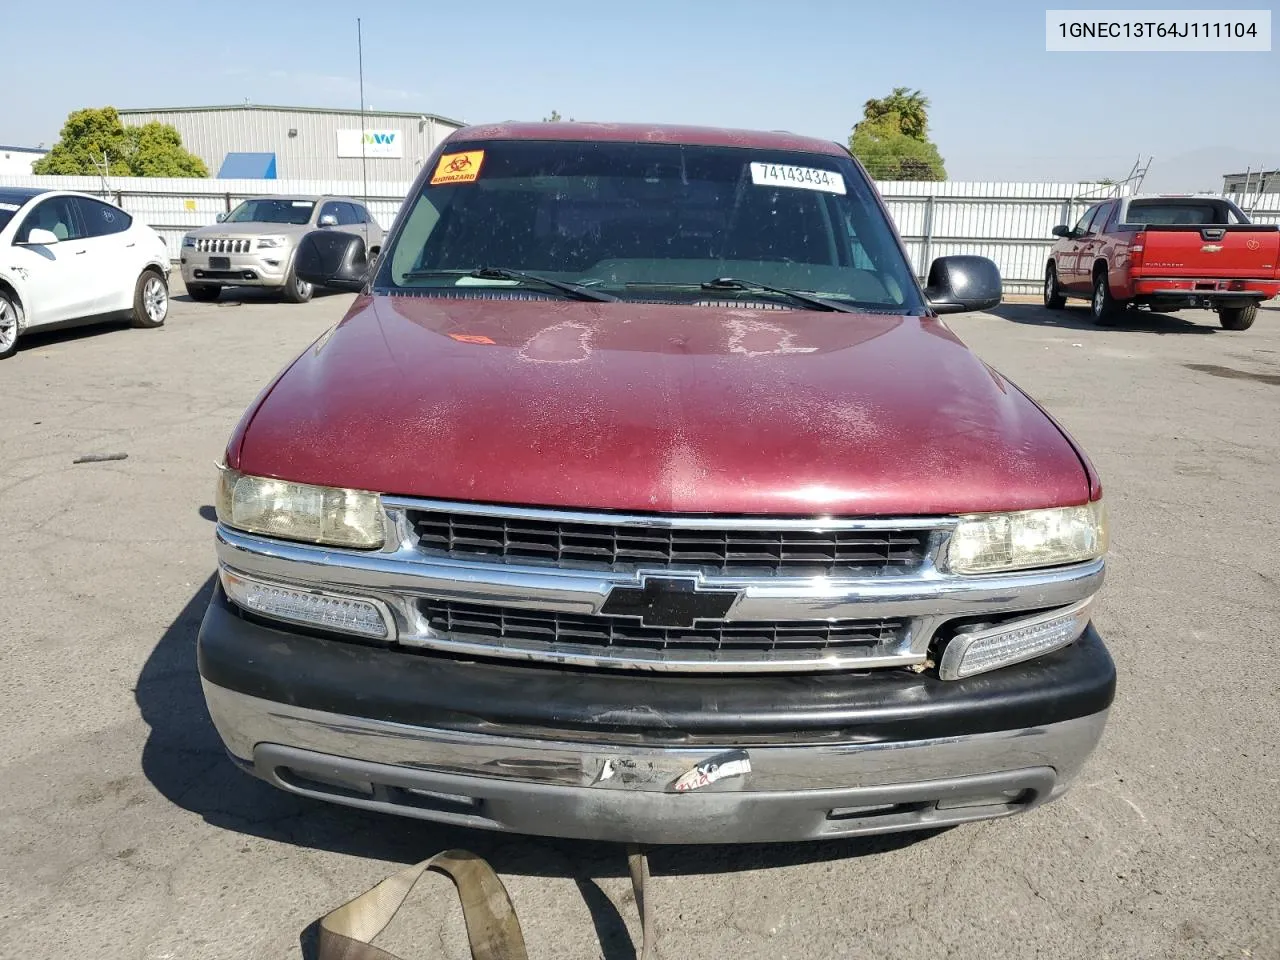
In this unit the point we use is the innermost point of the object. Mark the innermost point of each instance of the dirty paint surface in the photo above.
(634, 406)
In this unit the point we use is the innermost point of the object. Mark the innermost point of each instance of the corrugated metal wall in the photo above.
(1008, 222)
(310, 155)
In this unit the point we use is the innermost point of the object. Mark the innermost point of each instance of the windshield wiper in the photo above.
(750, 286)
(575, 290)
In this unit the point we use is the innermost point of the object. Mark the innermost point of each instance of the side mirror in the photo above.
(221, 217)
(335, 260)
(328, 220)
(962, 283)
(36, 237)
(1061, 231)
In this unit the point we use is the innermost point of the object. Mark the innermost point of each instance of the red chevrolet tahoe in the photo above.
(642, 495)
(1165, 253)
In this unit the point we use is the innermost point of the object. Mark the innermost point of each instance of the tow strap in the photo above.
(493, 930)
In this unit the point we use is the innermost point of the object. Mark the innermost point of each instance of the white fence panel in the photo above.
(1010, 223)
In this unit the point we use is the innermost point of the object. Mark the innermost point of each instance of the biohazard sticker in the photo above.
(458, 167)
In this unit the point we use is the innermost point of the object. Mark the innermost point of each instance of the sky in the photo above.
(1002, 107)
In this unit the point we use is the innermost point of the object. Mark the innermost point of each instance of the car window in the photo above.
(57, 215)
(272, 210)
(101, 219)
(361, 213)
(1164, 212)
(346, 215)
(651, 220)
(1082, 225)
(9, 207)
(1100, 218)
(330, 209)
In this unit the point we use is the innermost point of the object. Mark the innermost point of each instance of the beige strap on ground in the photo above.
(492, 927)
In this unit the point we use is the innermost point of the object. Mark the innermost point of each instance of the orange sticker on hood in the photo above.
(471, 338)
(458, 167)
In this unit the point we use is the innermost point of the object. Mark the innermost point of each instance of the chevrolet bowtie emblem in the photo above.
(669, 602)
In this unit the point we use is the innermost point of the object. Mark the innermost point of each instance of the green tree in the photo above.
(93, 136)
(911, 106)
(892, 139)
(555, 116)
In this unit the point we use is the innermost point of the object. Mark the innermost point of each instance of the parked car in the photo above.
(1164, 253)
(644, 496)
(67, 259)
(253, 245)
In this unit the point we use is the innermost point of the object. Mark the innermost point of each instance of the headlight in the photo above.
(994, 542)
(188, 241)
(271, 242)
(300, 511)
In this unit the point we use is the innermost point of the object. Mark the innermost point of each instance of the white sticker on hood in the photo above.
(10, 207)
(799, 178)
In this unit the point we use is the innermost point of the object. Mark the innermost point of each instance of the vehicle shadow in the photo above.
(38, 338)
(1078, 318)
(238, 295)
(184, 760)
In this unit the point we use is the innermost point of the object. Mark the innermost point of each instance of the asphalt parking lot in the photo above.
(124, 833)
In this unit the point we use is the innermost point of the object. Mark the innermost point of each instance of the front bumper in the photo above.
(257, 268)
(594, 755)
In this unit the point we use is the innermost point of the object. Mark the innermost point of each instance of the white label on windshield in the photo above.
(801, 178)
(302, 203)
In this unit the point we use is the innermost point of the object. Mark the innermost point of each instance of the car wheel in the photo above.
(1053, 298)
(297, 290)
(204, 292)
(150, 300)
(10, 326)
(1237, 318)
(1103, 307)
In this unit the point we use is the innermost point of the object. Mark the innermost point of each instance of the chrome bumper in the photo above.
(627, 794)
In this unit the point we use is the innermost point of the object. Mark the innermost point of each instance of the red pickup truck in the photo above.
(642, 495)
(1164, 253)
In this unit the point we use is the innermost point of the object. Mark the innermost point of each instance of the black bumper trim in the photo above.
(402, 686)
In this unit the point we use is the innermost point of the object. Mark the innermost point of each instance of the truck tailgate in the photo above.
(1239, 251)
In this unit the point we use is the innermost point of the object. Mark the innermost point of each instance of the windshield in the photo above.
(272, 211)
(651, 221)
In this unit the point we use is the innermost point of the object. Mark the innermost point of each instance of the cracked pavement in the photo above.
(123, 826)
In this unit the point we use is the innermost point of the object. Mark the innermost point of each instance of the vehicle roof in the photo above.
(20, 194)
(309, 197)
(649, 133)
(1175, 196)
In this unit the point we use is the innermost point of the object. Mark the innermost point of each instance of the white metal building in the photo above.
(303, 143)
(18, 160)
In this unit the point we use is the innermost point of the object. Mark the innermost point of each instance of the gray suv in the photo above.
(254, 244)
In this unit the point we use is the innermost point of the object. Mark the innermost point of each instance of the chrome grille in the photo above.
(222, 245)
(785, 550)
(548, 632)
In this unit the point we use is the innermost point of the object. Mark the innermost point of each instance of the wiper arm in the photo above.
(812, 302)
(575, 290)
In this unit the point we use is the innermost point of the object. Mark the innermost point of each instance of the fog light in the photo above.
(982, 650)
(366, 618)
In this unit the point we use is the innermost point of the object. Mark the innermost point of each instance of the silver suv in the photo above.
(254, 244)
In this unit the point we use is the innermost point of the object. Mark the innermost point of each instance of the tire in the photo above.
(1104, 308)
(1237, 318)
(204, 292)
(10, 325)
(296, 290)
(150, 300)
(1053, 298)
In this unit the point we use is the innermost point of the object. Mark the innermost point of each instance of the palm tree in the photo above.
(911, 106)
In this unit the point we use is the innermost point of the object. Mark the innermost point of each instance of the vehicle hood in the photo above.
(252, 228)
(628, 406)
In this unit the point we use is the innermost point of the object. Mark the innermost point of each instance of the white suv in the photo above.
(68, 258)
